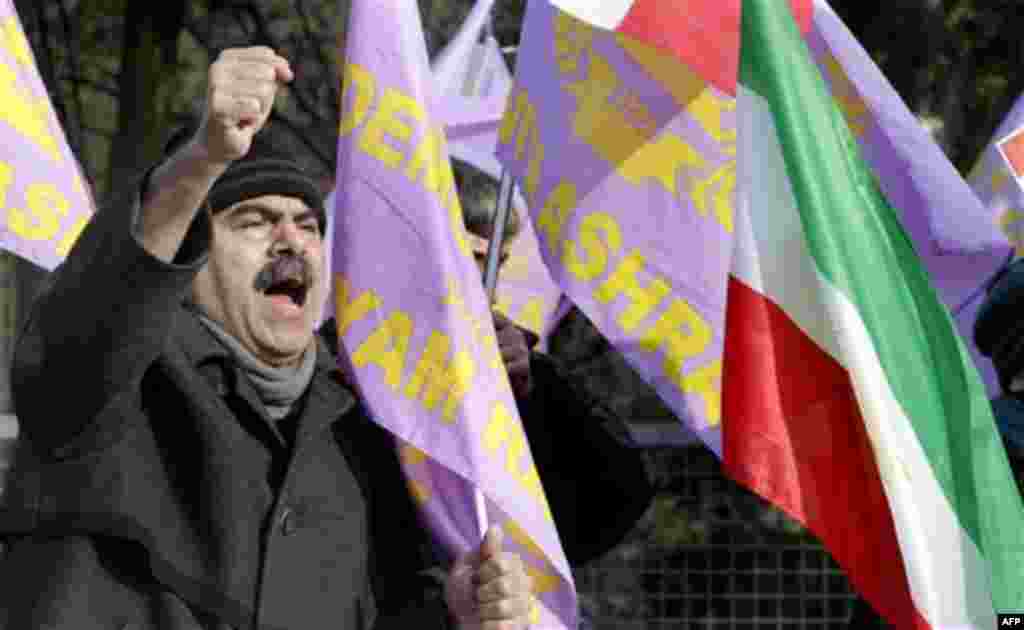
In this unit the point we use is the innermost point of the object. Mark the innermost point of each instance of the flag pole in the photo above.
(502, 213)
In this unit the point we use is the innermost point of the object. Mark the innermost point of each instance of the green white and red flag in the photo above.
(766, 257)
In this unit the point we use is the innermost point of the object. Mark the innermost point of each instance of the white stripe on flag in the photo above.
(942, 561)
(607, 14)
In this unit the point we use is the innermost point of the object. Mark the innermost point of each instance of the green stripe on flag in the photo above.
(858, 244)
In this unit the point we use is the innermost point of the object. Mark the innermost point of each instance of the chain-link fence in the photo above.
(711, 555)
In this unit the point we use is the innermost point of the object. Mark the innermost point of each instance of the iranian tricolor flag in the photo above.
(850, 401)
(847, 397)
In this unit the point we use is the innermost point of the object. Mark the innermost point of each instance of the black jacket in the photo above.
(151, 491)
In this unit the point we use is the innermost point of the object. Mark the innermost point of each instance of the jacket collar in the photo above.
(217, 365)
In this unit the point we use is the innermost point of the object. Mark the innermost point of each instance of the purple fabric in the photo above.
(955, 232)
(400, 249)
(42, 190)
(561, 62)
(666, 215)
(470, 74)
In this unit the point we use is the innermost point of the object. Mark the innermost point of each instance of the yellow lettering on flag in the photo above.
(573, 38)
(642, 300)
(531, 315)
(521, 538)
(385, 124)
(437, 378)
(543, 582)
(709, 110)
(723, 183)
(349, 309)
(552, 218)
(503, 431)
(479, 331)
(706, 382)
(428, 160)
(12, 39)
(598, 121)
(661, 160)
(28, 117)
(40, 220)
(521, 119)
(359, 81)
(600, 236)
(502, 305)
(682, 334)
(386, 347)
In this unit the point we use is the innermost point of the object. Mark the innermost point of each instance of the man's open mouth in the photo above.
(292, 288)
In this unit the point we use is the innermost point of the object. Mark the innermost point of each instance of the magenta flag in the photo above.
(44, 201)
(413, 320)
(632, 192)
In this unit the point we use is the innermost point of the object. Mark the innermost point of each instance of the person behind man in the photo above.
(999, 335)
(191, 457)
(597, 486)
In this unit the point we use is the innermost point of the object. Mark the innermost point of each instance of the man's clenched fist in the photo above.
(241, 88)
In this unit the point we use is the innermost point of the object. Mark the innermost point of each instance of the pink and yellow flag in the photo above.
(44, 204)
(471, 73)
(413, 320)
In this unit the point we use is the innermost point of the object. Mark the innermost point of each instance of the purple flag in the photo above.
(631, 196)
(470, 73)
(42, 193)
(956, 234)
(633, 201)
(412, 317)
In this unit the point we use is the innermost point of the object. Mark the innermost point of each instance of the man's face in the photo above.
(479, 246)
(264, 279)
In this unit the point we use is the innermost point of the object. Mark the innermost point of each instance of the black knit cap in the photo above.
(999, 328)
(267, 169)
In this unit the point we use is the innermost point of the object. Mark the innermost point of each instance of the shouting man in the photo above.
(191, 458)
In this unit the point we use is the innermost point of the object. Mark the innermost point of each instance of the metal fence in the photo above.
(711, 555)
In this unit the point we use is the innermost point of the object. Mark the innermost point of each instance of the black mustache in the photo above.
(282, 268)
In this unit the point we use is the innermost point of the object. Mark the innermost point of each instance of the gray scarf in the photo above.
(278, 388)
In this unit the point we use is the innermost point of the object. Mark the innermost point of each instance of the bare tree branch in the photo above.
(80, 81)
(74, 49)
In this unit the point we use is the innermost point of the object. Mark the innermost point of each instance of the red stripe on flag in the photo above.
(795, 436)
(704, 34)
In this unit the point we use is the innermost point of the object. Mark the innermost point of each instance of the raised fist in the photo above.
(241, 88)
